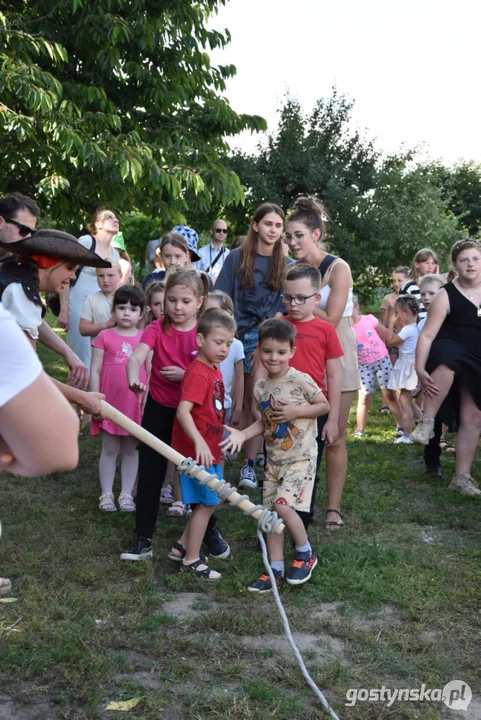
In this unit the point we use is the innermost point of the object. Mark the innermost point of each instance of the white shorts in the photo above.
(380, 369)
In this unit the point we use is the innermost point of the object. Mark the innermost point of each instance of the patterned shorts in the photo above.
(290, 484)
(380, 369)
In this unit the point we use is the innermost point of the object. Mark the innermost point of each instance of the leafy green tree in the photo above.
(461, 188)
(115, 101)
(381, 210)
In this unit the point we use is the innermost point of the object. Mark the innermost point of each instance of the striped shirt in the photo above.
(411, 288)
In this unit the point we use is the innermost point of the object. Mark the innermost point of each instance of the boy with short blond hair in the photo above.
(289, 402)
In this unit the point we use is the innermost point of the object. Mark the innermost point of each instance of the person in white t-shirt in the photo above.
(96, 313)
(212, 256)
(38, 428)
(403, 376)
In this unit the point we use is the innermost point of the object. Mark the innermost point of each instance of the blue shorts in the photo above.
(195, 493)
(249, 342)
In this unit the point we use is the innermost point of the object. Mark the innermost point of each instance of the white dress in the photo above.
(404, 376)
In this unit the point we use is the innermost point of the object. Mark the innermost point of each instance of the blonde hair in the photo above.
(115, 264)
(223, 300)
(431, 278)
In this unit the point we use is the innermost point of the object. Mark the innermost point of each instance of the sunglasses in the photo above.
(220, 230)
(23, 230)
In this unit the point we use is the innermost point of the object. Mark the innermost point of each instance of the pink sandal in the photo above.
(177, 509)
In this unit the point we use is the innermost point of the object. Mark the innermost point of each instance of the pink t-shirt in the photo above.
(370, 347)
(171, 347)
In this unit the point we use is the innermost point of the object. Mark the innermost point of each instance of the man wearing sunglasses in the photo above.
(18, 217)
(212, 256)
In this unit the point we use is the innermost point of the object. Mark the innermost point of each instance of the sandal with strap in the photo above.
(177, 509)
(181, 549)
(331, 524)
(166, 497)
(126, 503)
(205, 574)
(107, 503)
(5, 586)
(447, 447)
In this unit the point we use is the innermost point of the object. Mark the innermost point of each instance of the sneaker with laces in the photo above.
(464, 484)
(216, 545)
(247, 477)
(423, 432)
(302, 567)
(359, 434)
(384, 410)
(264, 585)
(140, 549)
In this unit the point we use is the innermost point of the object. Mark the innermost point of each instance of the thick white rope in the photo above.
(266, 523)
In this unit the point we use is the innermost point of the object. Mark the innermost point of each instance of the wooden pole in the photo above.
(175, 457)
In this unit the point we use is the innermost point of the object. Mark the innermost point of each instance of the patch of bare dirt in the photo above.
(12, 709)
(186, 606)
(323, 648)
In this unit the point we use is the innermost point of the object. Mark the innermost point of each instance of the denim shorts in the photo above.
(249, 342)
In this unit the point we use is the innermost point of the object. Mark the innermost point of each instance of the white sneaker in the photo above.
(398, 440)
(247, 477)
(464, 484)
(423, 432)
(407, 440)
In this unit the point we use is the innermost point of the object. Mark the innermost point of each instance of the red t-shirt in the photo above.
(203, 386)
(316, 341)
(173, 347)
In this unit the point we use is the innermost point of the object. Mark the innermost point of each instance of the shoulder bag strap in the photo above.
(93, 245)
(221, 252)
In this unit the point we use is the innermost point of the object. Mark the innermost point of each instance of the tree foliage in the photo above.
(115, 101)
(381, 210)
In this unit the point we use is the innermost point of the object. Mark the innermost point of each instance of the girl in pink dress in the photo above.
(111, 350)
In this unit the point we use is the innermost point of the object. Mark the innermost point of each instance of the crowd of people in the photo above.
(259, 348)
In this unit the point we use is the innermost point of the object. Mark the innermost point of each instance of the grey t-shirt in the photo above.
(251, 305)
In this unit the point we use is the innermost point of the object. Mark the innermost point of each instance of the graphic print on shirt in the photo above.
(218, 400)
(282, 431)
(122, 355)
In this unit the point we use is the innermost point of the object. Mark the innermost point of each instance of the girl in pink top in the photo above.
(172, 340)
(373, 358)
(111, 350)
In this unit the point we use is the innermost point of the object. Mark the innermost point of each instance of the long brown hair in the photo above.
(197, 282)
(421, 256)
(274, 276)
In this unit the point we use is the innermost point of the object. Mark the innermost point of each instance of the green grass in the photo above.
(405, 571)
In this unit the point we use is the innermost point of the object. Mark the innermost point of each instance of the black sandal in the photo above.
(334, 523)
(178, 558)
(192, 569)
(446, 447)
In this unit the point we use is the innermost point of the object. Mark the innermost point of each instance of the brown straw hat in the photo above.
(56, 244)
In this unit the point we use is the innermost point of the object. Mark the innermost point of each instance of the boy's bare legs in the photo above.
(194, 532)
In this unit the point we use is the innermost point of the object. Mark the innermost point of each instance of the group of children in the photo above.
(181, 377)
(387, 347)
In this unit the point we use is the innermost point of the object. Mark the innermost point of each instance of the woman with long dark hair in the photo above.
(252, 276)
(305, 231)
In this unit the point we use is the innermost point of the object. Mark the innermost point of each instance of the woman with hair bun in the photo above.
(305, 231)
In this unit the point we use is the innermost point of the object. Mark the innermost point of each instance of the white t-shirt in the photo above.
(410, 334)
(207, 255)
(27, 314)
(19, 364)
(227, 368)
(97, 308)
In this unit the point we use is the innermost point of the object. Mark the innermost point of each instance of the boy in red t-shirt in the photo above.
(198, 430)
(318, 352)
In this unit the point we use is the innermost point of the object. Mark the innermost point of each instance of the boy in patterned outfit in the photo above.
(289, 402)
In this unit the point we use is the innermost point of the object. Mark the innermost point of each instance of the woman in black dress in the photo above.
(448, 362)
